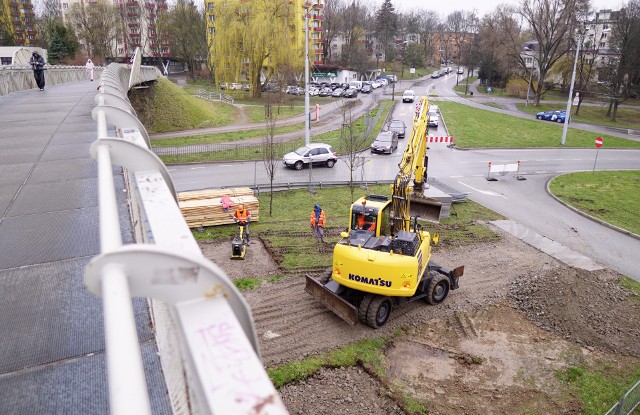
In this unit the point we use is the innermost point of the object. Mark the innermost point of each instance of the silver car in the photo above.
(316, 153)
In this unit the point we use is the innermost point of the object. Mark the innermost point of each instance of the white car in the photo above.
(434, 107)
(313, 91)
(434, 118)
(460, 70)
(317, 153)
(408, 96)
(235, 85)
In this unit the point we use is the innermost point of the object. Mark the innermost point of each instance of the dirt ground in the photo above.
(493, 347)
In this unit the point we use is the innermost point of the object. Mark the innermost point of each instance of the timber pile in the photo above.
(204, 207)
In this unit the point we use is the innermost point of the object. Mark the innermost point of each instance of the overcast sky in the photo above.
(444, 7)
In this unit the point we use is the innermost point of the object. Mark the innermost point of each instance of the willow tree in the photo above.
(250, 37)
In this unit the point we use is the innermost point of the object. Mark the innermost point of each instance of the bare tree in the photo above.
(333, 13)
(461, 25)
(552, 23)
(353, 143)
(269, 150)
(428, 22)
(187, 30)
(96, 26)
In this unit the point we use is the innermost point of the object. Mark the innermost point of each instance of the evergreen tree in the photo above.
(387, 26)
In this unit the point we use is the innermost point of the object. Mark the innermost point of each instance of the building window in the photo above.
(211, 18)
(601, 44)
(211, 30)
(210, 6)
(65, 6)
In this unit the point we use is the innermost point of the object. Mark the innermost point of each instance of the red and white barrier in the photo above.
(444, 139)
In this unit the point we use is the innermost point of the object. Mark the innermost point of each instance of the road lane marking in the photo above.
(190, 183)
(197, 168)
(484, 192)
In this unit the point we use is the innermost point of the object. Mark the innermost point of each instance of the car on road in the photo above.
(460, 70)
(408, 96)
(316, 153)
(557, 116)
(350, 93)
(385, 142)
(399, 127)
(434, 118)
(434, 107)
(435, 74)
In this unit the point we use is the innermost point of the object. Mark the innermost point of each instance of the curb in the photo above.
(586, 215)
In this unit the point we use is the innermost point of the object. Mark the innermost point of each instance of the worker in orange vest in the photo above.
(242, 217)
(318, 222)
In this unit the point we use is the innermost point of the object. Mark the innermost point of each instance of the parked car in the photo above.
(376, 84)
(246, 87)
(557, 116)
(235, 85)
(337, 93)
(350, 93)
(366, 89)
(385, 142)
(434, 118)
(334, 85)
(325, 92)
(317, 153)
(398, 127)
(313, 91)
(460, 70)
(408, 96)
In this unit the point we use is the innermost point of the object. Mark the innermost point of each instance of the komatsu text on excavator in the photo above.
(384, 258)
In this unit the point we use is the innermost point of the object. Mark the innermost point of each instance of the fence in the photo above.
(204, 328)
(629, 402)
(20, 78)
(214, 96)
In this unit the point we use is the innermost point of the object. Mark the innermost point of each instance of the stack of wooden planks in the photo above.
(204, 207)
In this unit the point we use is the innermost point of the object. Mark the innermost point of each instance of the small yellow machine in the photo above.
(384, 258)
(239, 244)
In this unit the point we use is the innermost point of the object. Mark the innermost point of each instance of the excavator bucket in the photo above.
(331, 300)
(427, 208)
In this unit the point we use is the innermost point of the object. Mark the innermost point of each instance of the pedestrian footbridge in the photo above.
(106, 303)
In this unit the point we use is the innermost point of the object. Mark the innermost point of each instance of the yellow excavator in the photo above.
(384, 258)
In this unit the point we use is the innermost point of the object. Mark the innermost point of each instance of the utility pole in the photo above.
(306, 78)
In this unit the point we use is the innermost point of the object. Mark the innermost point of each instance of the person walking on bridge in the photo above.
(37, 64)
(89, 67)
(318, 222)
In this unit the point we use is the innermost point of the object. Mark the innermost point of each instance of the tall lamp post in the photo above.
(306, 75)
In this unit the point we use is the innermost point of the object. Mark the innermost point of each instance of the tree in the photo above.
(552, 23)
(96, 25)
(187, 31)
(244, 43)
(333, 14)
(621, 74)
(62, 46)
(269, 151)
(498, 32)
(387, 26)
(414, 55)
(461, 25)
(7, 36)
(428, 22)
(353, 142)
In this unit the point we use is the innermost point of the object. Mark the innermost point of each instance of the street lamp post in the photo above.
(567, 114)
(306, 78)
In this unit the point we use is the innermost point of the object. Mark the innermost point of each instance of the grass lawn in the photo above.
(227, 137)
(169, 108)
(462, 84)
(612, 196)
(626, 117)
(255, 152)
(476, 128)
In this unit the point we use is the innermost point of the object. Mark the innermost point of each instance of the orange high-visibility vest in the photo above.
(321, 220)
(241, 215)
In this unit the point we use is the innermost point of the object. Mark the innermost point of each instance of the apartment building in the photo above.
(17, 23)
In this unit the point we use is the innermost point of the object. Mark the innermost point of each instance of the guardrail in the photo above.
(19, 78)
(214, 96)
(204, 328)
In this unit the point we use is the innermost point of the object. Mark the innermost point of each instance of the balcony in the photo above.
(14, 4)
(133, 24)
(318, 51)
(32, 32)
(318, 63)
(134, 34)
(318, 6)
(318, 18)
(131, 14)
(166, 54)
(154, 45)
(164, 35)
(318, 29)
(164, 43)
(152, 15)
(152, 35)
(307, 5)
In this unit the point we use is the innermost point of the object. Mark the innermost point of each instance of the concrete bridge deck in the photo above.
(52, 346)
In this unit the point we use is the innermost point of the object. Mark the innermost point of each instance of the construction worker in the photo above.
(242, 217)
(318, 222)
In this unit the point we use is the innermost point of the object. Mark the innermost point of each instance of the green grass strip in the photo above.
(612, 196)
(227, 137)
(476, 128)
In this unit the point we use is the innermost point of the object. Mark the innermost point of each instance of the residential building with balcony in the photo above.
(17, 23)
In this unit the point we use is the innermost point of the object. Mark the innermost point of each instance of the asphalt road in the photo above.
(526, 202)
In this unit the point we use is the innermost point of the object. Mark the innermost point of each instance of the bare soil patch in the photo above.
(492, 347)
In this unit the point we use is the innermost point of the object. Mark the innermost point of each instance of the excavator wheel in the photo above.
(438, 288)
(379, 311)
(364, 307)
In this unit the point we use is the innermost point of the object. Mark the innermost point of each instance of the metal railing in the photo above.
(204, 328)
(214, 96)
(629, 402)
(19, 78)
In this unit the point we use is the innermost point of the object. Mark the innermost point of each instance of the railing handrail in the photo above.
(213, 323)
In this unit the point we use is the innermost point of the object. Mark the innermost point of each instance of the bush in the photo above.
(517, 88)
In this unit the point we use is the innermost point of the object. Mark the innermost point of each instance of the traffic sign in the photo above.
(599, 142)
(576, 100)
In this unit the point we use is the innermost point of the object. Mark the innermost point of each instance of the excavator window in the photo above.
(363, 221)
